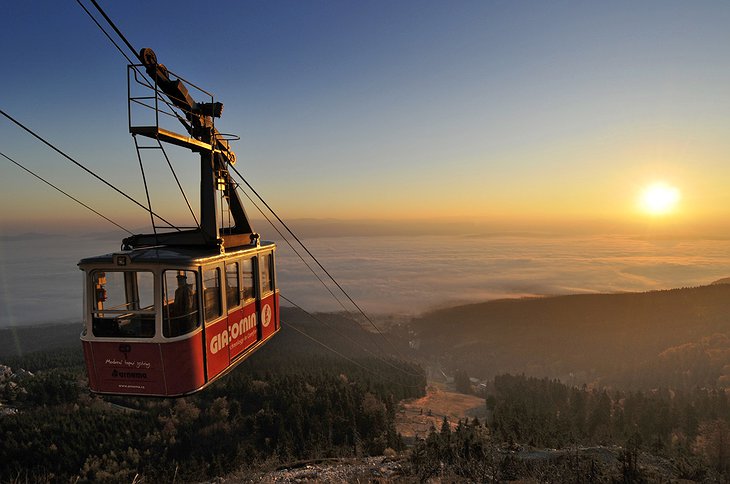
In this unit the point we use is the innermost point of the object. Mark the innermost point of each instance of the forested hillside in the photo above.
(292, 400)
(21, 340)
(638, 340)
(545, 431)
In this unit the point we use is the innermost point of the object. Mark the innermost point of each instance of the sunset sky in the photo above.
(493, 112)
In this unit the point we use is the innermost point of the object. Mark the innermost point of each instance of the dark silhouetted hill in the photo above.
(21, 340)
(632, 339)
(301, 333)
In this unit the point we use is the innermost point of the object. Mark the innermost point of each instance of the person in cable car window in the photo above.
(184, 306)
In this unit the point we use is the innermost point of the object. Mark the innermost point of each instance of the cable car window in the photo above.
(248, 291)
(212, 293)
(267, 283)
(123, 304)
(233, 295)
(180, 310)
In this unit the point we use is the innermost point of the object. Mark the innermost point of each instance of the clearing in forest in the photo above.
(415, 417)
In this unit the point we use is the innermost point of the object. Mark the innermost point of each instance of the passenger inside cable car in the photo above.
(181, 311)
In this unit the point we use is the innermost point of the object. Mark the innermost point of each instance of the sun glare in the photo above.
(659, 199)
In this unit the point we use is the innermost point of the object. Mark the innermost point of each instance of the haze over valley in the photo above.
(389, 274)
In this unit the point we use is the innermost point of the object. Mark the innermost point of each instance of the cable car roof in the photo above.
(166, 255)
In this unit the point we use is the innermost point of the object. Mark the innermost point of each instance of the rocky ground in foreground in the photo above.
(538, 466)
(364, 470)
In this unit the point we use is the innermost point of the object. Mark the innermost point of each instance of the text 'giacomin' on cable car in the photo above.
(175, 310)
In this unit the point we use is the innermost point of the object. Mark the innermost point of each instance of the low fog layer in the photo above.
(40, 283)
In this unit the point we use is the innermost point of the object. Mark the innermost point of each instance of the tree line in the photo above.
(543, 429)
(270, 409)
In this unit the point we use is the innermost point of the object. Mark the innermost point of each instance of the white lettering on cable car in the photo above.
(235, 331)
(131, 364)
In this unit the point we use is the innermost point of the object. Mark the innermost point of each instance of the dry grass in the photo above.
(415, 417)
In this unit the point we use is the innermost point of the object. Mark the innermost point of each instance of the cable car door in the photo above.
(216, 322)
(268, 310)
(242, 314)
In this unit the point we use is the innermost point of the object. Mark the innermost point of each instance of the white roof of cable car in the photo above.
(174, 255)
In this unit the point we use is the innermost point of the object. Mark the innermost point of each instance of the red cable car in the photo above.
(173, 311)
(168, 321)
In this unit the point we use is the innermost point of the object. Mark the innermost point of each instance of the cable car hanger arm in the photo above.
(215, 155)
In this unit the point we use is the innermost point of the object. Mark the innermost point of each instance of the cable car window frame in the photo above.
(266, 268)
(192, 324)
(144, 318)
(248, 279)
(233, 293)
(217, 291)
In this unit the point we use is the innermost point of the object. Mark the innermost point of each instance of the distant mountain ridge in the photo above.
(344, 334)
(676, 337)
(607, 338)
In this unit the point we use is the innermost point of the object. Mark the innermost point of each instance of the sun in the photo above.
(659, 199)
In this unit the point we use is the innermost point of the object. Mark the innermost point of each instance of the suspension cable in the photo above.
(317, 261)
(130, 61)
(348, 358)
(106, 33)
(285, 239)
(333, 328)
(311, 269)
(119, 33)
(146, 189)
(322, 282)
(68, 195)
(57, 150)
(177, 180)
(157, 95)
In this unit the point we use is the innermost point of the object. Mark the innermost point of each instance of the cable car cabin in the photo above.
(168, 321)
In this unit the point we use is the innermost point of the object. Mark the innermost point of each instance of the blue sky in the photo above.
(531, 111)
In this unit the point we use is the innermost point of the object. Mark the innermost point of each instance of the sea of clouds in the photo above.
(40, 282)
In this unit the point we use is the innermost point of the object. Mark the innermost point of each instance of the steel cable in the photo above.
(317, 261)
(348, 358)
(68, 195)
(57, 150)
